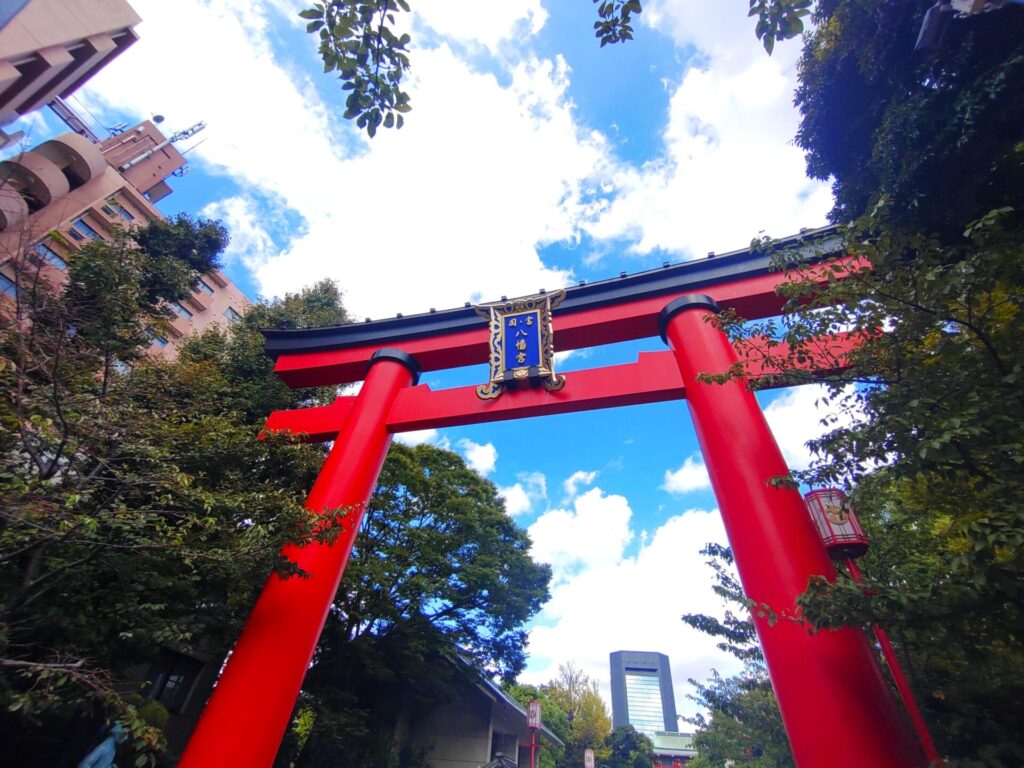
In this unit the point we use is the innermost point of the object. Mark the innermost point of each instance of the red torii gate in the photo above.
(835, 704)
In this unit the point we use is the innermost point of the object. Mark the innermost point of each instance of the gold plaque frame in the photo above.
(544, 372)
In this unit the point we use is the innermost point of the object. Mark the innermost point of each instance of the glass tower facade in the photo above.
(642, 694)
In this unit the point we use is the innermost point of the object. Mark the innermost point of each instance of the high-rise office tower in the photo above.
(642, 693)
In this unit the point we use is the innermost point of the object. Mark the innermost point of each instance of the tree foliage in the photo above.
(140, 511)
(743, 723)
(615, 20)
(957, 640)
(737, 632)
(926, 155)
(741, 719)
(438, 588)
(935, 136)
(554, 718)
(572, 708)
(437, 546)
(359, 41)
(589, 724)
(778, 20)
(628, 748)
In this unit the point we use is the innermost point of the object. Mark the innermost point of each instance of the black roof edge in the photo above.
(686, 277)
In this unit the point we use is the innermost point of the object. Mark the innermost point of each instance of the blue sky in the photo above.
(532, 158)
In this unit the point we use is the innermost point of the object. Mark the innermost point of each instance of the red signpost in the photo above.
(533, 723)
(834, 701)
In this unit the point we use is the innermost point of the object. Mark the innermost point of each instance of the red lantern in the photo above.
(836, 523)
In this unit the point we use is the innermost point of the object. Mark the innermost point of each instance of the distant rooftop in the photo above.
(669, 744)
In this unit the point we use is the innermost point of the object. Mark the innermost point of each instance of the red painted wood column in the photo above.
(836, 707)
(247, 715)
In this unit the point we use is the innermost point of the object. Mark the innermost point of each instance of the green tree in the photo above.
(935, 137)
(628, 748)
(140, 509)
(554, 718)
(956, 639)
(438, 588)
(926, 152)
(358, 40)
(578, 696)
(741, 721)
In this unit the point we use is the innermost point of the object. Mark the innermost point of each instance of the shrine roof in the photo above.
(669, 279)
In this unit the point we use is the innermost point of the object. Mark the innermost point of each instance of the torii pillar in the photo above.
(835, 704)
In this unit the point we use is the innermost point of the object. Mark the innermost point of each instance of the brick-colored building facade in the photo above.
(48, 48)
(71, 189)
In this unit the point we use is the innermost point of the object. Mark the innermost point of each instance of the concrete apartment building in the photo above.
(49, 48)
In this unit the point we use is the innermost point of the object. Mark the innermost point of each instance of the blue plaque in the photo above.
(521, 346)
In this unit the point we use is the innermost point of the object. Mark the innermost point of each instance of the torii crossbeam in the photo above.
(836, 706)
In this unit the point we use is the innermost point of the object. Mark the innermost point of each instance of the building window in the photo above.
(109, 211)
(84, 230)
(183, 313)
(203, 286)
(123, 212)
(171, 679)
(7, 285)
(156, 338)
(50, 256)
(643, 697)
(232, 315)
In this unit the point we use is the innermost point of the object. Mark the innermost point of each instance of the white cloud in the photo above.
(35, 130)
(795, 417)
(418, 437)
(604, 600)
(530, 488)
(416, 218)
(721, 30)
(489, 26)
(517, 502)
(561, 357)
(575, 480)
(481, 458)
(453, 204)
(691, 476)
(251, 243)
(593, 534)
(423, 217)
(729, 169)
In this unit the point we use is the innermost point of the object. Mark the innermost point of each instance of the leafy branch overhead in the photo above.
(359, 41)
(614, 17)
(778, 19)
